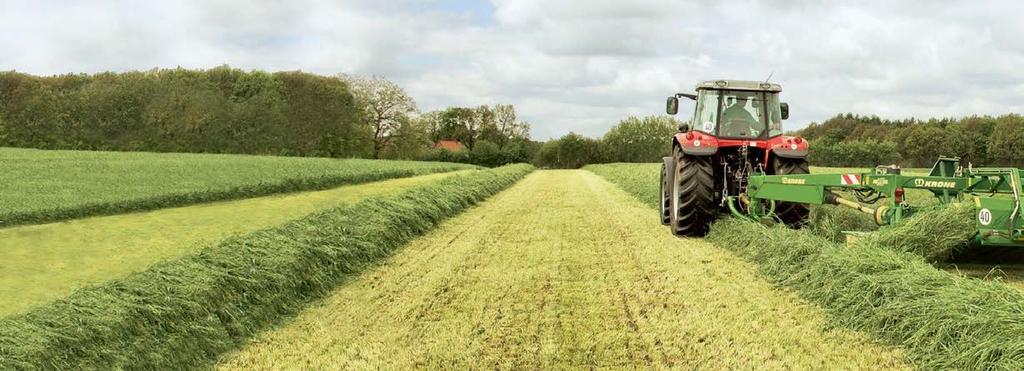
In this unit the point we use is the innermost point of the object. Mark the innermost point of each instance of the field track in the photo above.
(39, 263)
(562, 270)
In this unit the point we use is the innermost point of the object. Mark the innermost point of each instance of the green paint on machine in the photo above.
(996, 193)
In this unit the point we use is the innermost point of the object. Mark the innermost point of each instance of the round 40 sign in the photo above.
(985, 216)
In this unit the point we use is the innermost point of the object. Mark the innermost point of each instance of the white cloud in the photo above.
(567, 65)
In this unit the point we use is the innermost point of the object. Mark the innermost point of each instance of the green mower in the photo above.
(995, 193)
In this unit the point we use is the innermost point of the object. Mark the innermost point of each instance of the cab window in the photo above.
(706, 118)
(774, 115)
(743, 114)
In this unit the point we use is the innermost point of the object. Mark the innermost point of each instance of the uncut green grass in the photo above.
(39, 186)
(184, 313)
(40, 263)
(884, 287)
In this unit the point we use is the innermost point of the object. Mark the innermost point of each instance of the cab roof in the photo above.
(740, 85)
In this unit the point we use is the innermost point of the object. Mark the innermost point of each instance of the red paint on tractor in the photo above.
(786, 146)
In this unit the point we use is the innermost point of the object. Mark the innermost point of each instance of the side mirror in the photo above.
(684, 127)
(785, 110)
(672, 105)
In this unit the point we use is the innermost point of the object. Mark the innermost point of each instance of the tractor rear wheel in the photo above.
(792, 214)
(693, 196)
(668, 171)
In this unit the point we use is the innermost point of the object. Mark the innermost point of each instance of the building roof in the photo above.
(451, 145)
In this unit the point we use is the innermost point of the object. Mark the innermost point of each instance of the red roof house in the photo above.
(451, 145)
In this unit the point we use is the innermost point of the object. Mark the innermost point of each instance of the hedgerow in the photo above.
(186, 312)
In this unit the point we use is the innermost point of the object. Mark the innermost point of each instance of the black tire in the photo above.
(792, 214)
(693, 201)
(668, 170)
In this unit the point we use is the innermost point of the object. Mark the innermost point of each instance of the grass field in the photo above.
(563, 270)
(41, 186)
(39, 263)
(182, 313)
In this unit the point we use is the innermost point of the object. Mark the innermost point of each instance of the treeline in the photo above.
(489, 135)
(228, 110)
(853, 140)
(221, 110)
(631, 140)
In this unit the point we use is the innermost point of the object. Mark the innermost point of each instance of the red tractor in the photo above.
(736, 131)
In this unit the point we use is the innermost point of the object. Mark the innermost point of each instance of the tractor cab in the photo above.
(735, 109)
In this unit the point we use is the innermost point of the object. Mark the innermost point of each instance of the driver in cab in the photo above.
(738, 122)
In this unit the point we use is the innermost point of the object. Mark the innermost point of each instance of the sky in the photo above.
(577, 66)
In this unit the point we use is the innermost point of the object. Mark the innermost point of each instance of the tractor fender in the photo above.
(696, 143)
(789, 147)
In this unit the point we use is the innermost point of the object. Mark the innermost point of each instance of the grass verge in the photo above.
(38, 186)
(184, 313)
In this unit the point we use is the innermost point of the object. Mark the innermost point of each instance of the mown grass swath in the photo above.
(831, 221)
(882, 285)
(936, 235)
(184, 313)
(42, 263)
(943, 320)
(42, 186)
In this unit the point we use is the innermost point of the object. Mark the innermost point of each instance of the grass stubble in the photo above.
(563, 270)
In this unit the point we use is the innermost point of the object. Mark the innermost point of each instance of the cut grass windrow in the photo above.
(830, 221)
(44, 262)
(934, 235)
(184, 313)
(942, 320)
(38, 186)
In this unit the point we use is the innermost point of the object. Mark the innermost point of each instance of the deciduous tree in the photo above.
(386, 108)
